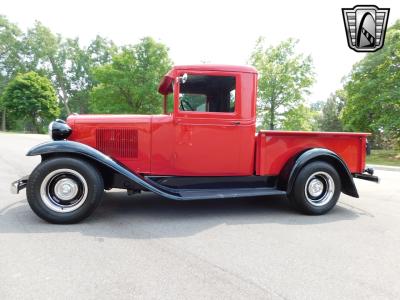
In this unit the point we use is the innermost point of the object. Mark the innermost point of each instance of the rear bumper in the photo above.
(367, 175)
(19, 184)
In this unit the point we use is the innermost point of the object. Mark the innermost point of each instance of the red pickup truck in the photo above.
(204, 146)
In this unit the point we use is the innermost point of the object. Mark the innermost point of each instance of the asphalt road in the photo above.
(146, 247)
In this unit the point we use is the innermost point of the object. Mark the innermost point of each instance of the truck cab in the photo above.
(204, 146)
(212, 122)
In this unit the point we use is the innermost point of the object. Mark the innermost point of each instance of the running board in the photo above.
(193, 194)
(199, 194)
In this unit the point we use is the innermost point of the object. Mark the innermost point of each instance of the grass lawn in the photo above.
(384, 157)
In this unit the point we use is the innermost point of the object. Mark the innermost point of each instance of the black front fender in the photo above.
(321, 154)
(67, 147)
(79, 149)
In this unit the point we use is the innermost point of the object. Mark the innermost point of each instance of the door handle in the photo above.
(236, 123)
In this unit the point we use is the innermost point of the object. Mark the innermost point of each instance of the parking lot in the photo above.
(148, 247)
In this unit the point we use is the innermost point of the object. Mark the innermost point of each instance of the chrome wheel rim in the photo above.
(64, 190)
(319, 188)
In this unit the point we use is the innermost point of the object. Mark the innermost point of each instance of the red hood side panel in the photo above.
(125, 138)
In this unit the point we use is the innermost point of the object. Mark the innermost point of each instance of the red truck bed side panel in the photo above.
(275, 148)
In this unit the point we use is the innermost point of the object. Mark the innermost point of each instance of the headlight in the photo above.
(59, 130)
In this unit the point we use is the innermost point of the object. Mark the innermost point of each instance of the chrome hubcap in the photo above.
(64, 190)
(315, 187)
(319, 188)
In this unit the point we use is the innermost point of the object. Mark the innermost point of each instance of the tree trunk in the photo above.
(272, 117)
(61, 84)
(65, 100)
(37, 126)
(3, 120)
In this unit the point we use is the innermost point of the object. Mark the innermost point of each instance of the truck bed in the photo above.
(275, 148)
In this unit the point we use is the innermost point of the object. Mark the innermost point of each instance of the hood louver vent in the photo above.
(120, 142)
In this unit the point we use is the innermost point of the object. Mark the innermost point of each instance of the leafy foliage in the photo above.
(372, 91)
(285, 77)
(31, 97)
(300, 118)
(10, 60)
(80, 73)
(46, 54)
(72, 69)
(67, 64)
(10, 43)
(331, 112)
(129, 83)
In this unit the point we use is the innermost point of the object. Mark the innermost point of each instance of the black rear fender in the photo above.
(293, 167)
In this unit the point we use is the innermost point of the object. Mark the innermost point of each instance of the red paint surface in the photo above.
(275, 148)
(213, 144)
(84, 131)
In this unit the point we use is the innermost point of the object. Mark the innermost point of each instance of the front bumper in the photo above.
(19, 184)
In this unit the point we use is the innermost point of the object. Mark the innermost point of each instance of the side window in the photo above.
(208, 94)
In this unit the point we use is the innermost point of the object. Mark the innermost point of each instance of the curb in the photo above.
(385, 168)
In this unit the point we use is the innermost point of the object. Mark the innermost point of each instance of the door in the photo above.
(207, 126)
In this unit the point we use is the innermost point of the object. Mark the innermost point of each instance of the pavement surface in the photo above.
(385, 168)
(146, 247)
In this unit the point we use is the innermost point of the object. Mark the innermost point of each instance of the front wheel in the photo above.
(64, 190)
(316, 189)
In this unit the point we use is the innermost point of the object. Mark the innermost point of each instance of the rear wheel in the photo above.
(64, 190)
(316, 189)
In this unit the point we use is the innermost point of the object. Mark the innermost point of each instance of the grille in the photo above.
(120, 142)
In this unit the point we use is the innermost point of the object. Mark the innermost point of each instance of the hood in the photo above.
(125, 138)
(76, 119)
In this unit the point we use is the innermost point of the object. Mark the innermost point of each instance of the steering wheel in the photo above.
(186, 104)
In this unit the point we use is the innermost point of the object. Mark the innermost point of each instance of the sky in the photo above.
(212, 31)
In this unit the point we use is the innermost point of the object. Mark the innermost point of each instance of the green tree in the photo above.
(300, 118)
(372, 92)
(331, 112)
(129, 83)
(67, 64)
(32, 98)
(285, 77)
(101, 51)
(10, 57)
(46, 55)
(82, 61)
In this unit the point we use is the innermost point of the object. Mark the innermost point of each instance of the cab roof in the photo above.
(165, 84)
(212, 67)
